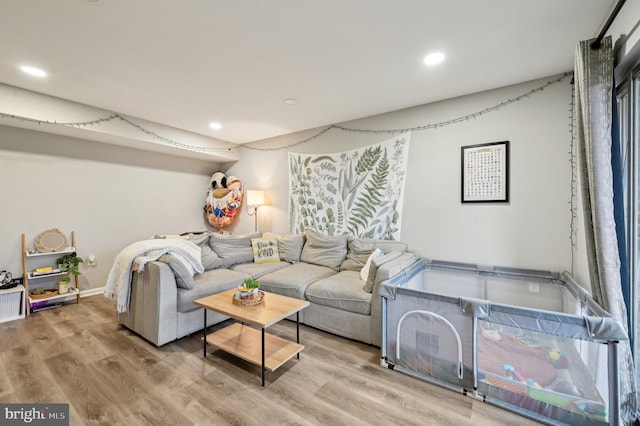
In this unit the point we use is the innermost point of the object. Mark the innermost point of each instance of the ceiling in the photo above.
(187, 63)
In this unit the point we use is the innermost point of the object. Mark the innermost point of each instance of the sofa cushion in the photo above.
(367, 245)
(233, 249)
(256, 270)
(324, 250)
(184, 277)
(289, 246)
(354, 262)
(206, 284)
(394, 263)
(293, 280)
(265, 250)
(210, 259)
(341, 291)
(359, 250)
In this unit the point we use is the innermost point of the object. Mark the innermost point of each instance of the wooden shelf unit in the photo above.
(26, 256)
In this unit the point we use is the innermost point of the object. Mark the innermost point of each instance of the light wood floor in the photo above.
(78, 354)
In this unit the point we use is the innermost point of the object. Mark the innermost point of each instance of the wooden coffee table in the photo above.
(243, 341)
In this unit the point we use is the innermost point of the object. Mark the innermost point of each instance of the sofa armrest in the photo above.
(392, 264)
(388, 270)
(153, 310)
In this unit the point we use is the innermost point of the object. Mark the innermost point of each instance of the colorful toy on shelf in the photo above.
(557, 358)
(549, 397)
(511, 372)
(533, 383)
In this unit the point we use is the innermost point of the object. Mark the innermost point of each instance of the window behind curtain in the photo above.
(629, 117)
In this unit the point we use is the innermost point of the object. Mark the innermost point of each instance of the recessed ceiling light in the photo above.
(434, 58)
(36, 72)
(290, 101)
(215, 126)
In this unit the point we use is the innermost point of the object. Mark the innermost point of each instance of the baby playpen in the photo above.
(533, 342)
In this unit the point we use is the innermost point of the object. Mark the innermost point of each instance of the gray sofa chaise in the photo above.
(331, 272)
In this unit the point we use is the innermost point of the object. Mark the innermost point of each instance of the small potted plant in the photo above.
(68, 264)
(249, 289)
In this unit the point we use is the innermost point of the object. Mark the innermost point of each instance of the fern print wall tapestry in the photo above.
(357, 192)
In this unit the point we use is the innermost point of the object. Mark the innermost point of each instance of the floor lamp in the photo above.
(255, 199)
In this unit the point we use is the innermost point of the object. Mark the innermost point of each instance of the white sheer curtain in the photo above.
(593, 101)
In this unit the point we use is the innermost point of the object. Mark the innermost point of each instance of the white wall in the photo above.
(122, 195)
(109, 195)
(531, 231)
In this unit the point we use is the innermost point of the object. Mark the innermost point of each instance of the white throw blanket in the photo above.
(134, 258)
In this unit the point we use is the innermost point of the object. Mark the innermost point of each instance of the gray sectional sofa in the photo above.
(331, 272)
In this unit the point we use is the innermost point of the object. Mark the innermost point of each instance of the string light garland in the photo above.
(98, 121)
(171, 142)
(574, 176)
(71, 124)
(424, 127)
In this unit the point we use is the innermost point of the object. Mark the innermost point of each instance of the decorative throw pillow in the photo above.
(265, 250)
(184, 277)
(364, 272)
(324, 250)
(289, 246)
(375, 265)
(233, 249)
(359, 250)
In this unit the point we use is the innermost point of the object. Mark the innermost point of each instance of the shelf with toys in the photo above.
(50, 259)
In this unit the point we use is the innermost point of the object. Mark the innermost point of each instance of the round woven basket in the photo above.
(47, 293)
(249, 302)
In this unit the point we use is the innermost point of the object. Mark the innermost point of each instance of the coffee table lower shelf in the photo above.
(245, 342)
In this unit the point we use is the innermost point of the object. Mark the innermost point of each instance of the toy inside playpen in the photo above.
(533, 342)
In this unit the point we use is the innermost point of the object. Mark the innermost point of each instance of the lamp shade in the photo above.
(255, 198)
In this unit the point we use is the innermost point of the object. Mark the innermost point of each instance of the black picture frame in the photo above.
(485, 173)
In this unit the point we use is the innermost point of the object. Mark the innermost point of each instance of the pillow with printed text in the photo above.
(265, 250)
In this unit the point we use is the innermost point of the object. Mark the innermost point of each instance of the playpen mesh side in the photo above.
(541, 346)
(537, 363)
(557, 377)
(431, 338)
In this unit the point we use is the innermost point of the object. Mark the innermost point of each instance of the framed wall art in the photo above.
(485, 173)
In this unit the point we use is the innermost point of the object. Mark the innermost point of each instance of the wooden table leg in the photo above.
(262, 357)
(204, 337)
(298, 331)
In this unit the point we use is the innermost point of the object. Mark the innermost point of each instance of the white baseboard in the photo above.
(92, 292)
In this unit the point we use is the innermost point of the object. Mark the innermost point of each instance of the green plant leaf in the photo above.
(251, 283)
(368, 160)
(322, 158)
(370, 198)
